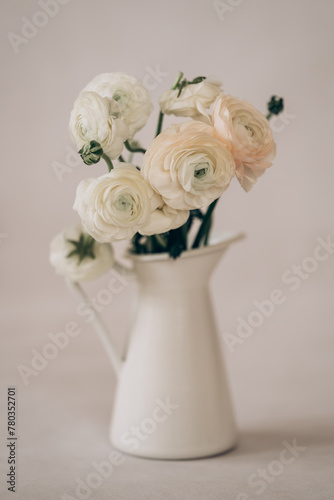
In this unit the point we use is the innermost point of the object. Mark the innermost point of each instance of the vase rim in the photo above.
(217, 243)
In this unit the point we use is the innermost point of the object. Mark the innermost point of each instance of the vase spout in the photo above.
(191, 270)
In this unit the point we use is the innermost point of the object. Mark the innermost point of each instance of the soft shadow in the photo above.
(255, 442)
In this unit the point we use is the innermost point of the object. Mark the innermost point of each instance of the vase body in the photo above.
(172, 399)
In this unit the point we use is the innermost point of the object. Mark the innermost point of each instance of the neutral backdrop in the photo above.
(282, 375)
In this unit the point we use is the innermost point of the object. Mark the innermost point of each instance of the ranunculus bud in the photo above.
(275, 105)
(91, 152)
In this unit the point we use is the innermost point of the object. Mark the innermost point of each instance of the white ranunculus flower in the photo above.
(188, 166)
(97, 118)
(132, 97)
(88, 268)
(116, 205)
(194, 101)
(163, 219)
(247, 134)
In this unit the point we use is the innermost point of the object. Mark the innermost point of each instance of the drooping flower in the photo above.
(67, 262)
(247, 134)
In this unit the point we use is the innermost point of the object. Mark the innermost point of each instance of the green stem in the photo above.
(156, 244)
(134, 150)
(161, 241)
(108, 162)
(177, 241)
(130, 158)
(121, 159)
(184, 233)
(206, 239)
(161, 115)
(269, 115)
(177, 81)
(205, 226)
(159, 127)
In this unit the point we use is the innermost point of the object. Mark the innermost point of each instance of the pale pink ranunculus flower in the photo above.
(247, 134)
(188, 166)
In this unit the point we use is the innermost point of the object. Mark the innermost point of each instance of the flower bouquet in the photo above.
(164, 201)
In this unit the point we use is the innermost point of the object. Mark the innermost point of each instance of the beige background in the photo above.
(282, 376)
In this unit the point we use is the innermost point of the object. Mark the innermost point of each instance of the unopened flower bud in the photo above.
(91, 152)
(275, 105)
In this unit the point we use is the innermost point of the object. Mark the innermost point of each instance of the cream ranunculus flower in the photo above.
(96, 118)
(89, 268)
(188, 166)
(116, 205)
(132, 97)
(163, 219)
(194, 101)
(247, 134)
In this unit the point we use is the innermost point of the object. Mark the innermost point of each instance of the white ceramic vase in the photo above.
(172, 399)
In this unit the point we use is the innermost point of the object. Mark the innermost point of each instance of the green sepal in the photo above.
(83, 247)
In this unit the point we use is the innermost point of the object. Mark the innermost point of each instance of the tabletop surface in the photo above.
(63, 417)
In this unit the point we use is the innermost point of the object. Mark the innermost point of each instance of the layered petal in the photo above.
(132, 97)
(247, 134)
(188, 166)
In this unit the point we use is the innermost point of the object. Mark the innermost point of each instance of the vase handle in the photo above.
(98, 324)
